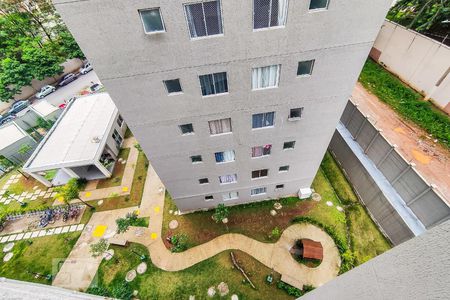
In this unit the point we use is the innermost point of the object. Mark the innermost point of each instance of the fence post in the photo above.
(372, 140)
(361, 127)
(408, 167)
(386, 156)
(421, 194)
(351, 114)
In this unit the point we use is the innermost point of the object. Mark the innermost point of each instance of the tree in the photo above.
(70, 191)
(69, 46)
(14, 75)
(221, 213)
(41, 62)
(99, 248)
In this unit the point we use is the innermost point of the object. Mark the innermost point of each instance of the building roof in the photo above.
(312, 249)
(78, 136)
(43, 108)
(9, 134)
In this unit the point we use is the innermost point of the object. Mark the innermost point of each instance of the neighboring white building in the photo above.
(12, 138)
(232, 101)
(83, 143)
(45, 110)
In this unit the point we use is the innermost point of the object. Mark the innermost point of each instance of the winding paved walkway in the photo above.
(274, 255)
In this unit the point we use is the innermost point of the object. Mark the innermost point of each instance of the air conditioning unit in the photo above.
(304, 193)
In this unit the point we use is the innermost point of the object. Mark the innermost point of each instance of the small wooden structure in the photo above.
(311, 249)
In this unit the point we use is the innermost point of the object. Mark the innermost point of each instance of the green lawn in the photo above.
(159, 284)
(407, 102)
(119, 168)
(41, 256)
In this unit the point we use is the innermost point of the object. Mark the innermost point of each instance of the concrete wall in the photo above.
(421, 62)
(121, 130)
(132, 66)
(11, 152)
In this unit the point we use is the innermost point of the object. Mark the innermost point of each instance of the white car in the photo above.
(45, 90)
(86, 68)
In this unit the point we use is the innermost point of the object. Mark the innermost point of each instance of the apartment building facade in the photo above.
(232, 101)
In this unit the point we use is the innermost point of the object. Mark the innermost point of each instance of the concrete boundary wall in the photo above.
(420, 61)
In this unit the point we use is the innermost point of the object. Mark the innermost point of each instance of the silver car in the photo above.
(45, 90)
(86, 68)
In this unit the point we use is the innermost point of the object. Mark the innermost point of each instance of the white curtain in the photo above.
(220, 126)
(191, 21)
(228, 155)
(265, 77)
(228, 178)
(282, 12)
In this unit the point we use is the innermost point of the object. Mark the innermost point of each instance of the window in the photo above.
(117, 138)
(204, 18)
(279, 186)
(259, 151)
(260, 173)
(318, 4)
(220, 126)
(173, 86)
(196, 159)
(187, 128)
(152, 20)
(226, 179)
(263, 120)
(295, 113)
(203, 181)
(230, 196)
(265, 77)
(269, 13)
(258, 191)
(283, 169)
(209, 198)
(305, 68)
(213, 84)
(120, 121)
(289, 145)
(225, 156)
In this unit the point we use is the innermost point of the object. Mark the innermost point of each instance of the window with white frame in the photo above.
(289, 145)
(220, 126)
(117, 138)
(259, 151)
(230, 196)
(213, 84)
(318, 4)
(258, 191)
(295, 113)
(263, 120)
(186, 128)
(260, 173)
(204, 18)
(226, 179)
(265, 77)
(225, 156)
(209, 198)
(152, 20)
(269, 13)
(120, 121)
(283, 169)
(173, 86)
(305, 68)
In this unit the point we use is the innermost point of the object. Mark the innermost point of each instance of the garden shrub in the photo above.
(179, 242)
(292, 291)
(99, 291)
(275, 234)
(122, 291)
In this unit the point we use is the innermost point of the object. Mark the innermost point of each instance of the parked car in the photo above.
(45, 90)
(18, 106)
(66, 102)
(6, 119)
(86, 68)
(95, 87)
(68, 78)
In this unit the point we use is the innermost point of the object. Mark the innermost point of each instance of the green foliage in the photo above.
(138, 147)
(124, 223)
(292, 291)
(41, 62)
(13, 76)
(68, 191)
(24, 149)
(275, 234)
(408, 103)
(221, 212)
(179, 242)
(69, 46)
(99, 248)
(99, 291)
(45, 124)
(122, 291)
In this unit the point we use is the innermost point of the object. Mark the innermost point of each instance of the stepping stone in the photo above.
(339, 208)
(34, 234)
(53, 194)
(8, 256)
(58, 230)
(234, 297)
(131, 275)
(2, 192)
(24, 194)
(108, 254)
(41, 194)
(73, 228)
(11, 238)
(223, 289)
(8, 201)
(191, 297)
(33, 198)
(47, 195)
(19, 236)
(170, 211)
(273, 212)
(51, 231)
(35, 187)
(100, 202)
(42, 233)
(329, 203)
(173, 224)
(141, 268)
(316, 197)
(27, 235)
(50, 190)
(277, 205)
(2, 200)
(65, 229)
(8, 247)
(211, 292)
(4, 239)
(80, 227)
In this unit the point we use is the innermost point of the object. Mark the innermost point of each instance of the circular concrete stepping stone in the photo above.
(141, 268)
(225, 220)
(273, 212)
(316, 197)
(329, 203)
(173, 224)
(277, 205)
(211, 291)
(191, 297)
(339, 208)
(8, 256)
(100, 202)
(234, 297)
(123, 162)
(8, 247)
(135, 293)
(171, 211)
(131, 275)
(223, 289)
(108, 254)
